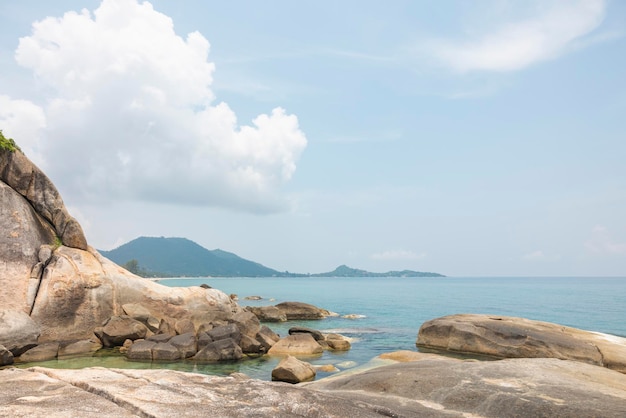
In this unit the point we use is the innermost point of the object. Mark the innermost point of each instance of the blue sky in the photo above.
(466, 138)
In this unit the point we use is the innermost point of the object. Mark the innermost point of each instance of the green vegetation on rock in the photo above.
(8, 143)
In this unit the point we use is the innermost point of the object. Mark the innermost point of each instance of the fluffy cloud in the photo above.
(601, 242)
(129, 115)
(552, 30)
(397, 255)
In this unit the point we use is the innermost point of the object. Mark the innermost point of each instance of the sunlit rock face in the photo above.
(510, 337)
(66, 289)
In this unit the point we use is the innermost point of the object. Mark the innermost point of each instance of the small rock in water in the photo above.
(354, 316)
(346, 364)
(253, 298)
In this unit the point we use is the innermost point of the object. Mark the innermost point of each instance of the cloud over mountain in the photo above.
(129, 114)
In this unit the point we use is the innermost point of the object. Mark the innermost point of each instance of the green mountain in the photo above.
(180, 257)
(345, 271)
(176, 257)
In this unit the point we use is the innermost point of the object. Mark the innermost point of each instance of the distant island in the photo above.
(345, 271)
(181, 257)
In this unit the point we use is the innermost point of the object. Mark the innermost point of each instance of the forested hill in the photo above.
(176, 257)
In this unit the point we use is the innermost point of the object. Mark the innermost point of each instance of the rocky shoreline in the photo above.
(60, 298)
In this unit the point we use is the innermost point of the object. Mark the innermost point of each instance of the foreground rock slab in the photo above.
(436, 386)
(40, 392)
(510, 337)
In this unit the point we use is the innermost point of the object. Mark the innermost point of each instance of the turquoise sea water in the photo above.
(394, 308)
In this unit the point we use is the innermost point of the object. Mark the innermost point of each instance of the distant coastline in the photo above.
(160, 257)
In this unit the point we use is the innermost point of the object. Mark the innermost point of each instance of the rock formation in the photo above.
(428, 386)
(54, 288)
(505, 337)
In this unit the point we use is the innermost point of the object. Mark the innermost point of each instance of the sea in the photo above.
(384, 314)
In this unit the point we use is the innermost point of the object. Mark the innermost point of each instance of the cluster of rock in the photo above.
(212, 342)
(56, 291)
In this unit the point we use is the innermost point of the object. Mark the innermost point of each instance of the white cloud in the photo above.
(601, 242)
(551, 31)
(535, 255)
(22, 120)
(392, 255)
(131, 115)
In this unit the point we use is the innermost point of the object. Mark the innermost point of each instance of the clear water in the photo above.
(394, 309)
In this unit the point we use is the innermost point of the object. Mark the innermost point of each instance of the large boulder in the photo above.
(6, 357)
(292, 370)
(296, 344)
(25, 178)
(119, 329)
(47, 351)
(18, 332)
(509, 337)
(301, 310)
(50, 274)
(221, 350)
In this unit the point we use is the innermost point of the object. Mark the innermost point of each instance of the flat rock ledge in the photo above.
(420, 386)
(510, 337)
(42, 392)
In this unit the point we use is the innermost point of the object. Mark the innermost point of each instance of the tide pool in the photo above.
(391, 310)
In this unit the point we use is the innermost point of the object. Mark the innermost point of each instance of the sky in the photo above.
(483, 138)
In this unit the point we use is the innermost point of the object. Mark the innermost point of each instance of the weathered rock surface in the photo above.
(118, 329)
(25, 178)
(317, 335)
(18, 332)
(509, 337)
(297, 344)
(6, 357)
(292, 370)
(267, 313)
(434, 386)
(445, 387)
(108, 393)
(300, 310)
(221, 350)
(42, 352)
(55, 288)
